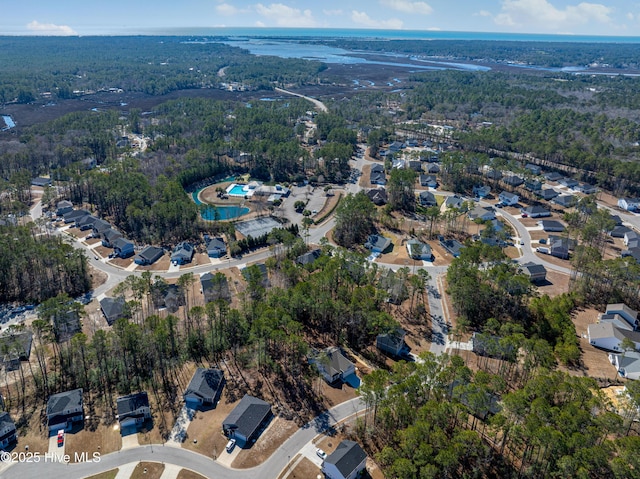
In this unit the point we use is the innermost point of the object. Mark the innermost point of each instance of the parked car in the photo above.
(542, 241)
(230, 445)
(61, 438)
(321, 454)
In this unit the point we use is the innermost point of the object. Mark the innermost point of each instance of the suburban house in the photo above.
(109, 237)
(216, 248)
(534, 169)
(333, 365)
(66, 324)
(65, 409)
(433, 168)
(631, 239)
(63, 207)
(204, 388)
(346, 462)
(513, 180)
(392, 343)
(378, 196)
(547, 193)
(419, 250)
(396, 146)
(415, 165)
(377, 243)
(551, 226)
(112, 308)
(215, 286)
(452, 246)
(559, 247)
(493, 174)
(41, 182)
(565, 201)
(85, 222)
(568, 182)
(308, 257)
(627, 364)
(535, 272)
(247, 419)
(149, 255)
(428, 181)
(74, 216)
(7, 431)
(629, 204)
(632, 253)
(256, 271)
(481, 191)
(169, 296)
(624, 311)
(508, 199)
(619, 231)
(553, 176)
(377, 176)
(535, 211)
(133, 410)
(123, 248)
(426, 198)
(452, 202)
(182, 253)
(606, 335)
(586, 188)
(99, 227)
(15, 347)
(484, 213)
(533, 185)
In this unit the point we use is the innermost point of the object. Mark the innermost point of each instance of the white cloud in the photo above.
(483, 13)
(332, 13)
(226, 9)
(544, 13)
(407, 6)
(285, 16)
(49, 29)
(362, 18)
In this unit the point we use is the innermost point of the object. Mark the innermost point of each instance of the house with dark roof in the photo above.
(123, 248)
(535, 211)
(15, 347)
(216, 248)
(308, 257)
(182, 253)
(346, 462)
(149, 255)
(377, 175)
(109, 237)
(568, 182)
(534, 169)
(547, 193)
(619, 231)
(215, 286)
(85, 222)
(454, 201)
(433, 168)
(535, 272)
(333, 365)
(378, 196)
(396, 146)
(205, 388)
(481, 191)
(559, 247)
(63, 207)
(586, 188)
(133, 410)
(377, 243)
(64, 410)
(513, 180)
(112, 308)
(74, 216)
(7, 431)
(247, 420)
(426, 198)
(565, 201)
(631, 253)
(99, 227)
(553, 176)
(452, 246)
(392, 343)
(551, 226)
(419, 250)
(533, 185)
(415, 165)
(631, 239)
(256, 270)
(428, 181)
(40, 181)
(508, 199)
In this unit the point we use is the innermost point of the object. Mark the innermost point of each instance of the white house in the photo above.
(346, 462)
(621, 309)
(629, 204)
(607, 336)
(627, 364)
(333, 365)
(508, 199)
(419, 250)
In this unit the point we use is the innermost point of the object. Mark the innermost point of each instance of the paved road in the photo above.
(319, 105)
(271, 468)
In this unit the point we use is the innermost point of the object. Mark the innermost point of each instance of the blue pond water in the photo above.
(222, 212)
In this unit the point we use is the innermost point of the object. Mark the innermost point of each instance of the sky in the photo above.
(113, 17)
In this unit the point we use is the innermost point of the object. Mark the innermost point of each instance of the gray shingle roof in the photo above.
(247, 417)
(347, 457)
(132, 402)
(205, 383)
(59, 403)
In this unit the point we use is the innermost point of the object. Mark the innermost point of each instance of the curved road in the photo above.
(203, 465)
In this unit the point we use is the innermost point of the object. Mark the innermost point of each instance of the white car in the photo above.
(321, 454)
(230, 445)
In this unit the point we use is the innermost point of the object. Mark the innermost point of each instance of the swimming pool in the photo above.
(237, 190)
(221, 212)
